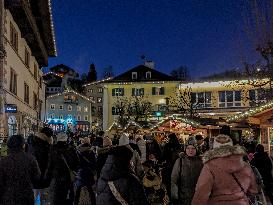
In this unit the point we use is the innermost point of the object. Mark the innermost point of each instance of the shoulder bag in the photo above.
(116, 193)
(251, 201)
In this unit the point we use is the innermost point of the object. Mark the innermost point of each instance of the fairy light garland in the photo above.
(176, 117)
(250, 112)
(111, 126)
(71, 91)
(132, 123)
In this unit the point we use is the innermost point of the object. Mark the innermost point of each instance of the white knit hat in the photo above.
(124, 139)
(222, 140)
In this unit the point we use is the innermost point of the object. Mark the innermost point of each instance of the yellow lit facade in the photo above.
(152, 90)
(224, 98)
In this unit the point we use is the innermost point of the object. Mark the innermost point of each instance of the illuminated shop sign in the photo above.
(10, 108)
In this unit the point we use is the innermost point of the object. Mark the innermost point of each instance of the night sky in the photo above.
(204, 35)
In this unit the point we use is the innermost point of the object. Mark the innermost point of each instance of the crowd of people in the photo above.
(133, 169)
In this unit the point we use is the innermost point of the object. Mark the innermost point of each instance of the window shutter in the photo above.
(133, 91)
(162, 91)
(122, 91)
(153, 90)
(113, 92)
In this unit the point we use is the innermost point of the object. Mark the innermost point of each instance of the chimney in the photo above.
(150, 64)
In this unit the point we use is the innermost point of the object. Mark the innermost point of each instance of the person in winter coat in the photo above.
(103, 154)
(86, 173)
(184, 176)
(223, 175)
(263, 163)
(142, 147)
(153, 148)
(118, 182)
(18, 173)
(171, 152)
(64, 162)
(40, 146)
(136, 162)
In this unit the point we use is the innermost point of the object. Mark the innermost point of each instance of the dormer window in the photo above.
(148, 75)
(134, 75)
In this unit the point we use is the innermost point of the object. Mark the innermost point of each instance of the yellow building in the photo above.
(224, 98)
(142, 80)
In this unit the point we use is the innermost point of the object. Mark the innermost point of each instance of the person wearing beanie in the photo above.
(185, 173)
(117, 178)
(18, 173)
(64, 161)
(223, 175)
(263, 163)
(171, 153)
(86, 173)
(40, 146)
(136, 161)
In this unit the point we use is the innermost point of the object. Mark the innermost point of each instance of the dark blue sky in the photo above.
(205, 35)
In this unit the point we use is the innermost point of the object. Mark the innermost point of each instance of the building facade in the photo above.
(142, 80)
(94, 91)
(68, 110)
(221, 99)
(28, 41)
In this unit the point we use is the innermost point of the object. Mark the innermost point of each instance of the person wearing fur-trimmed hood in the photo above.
(224, 175)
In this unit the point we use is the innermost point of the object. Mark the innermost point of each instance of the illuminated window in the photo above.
(99, 100)
(100, 90)
(79, 108)
(201, 99)
(117, 91)
(69, 108)
(158, 91)
(85, 109)
(137, 91)
(229, 98)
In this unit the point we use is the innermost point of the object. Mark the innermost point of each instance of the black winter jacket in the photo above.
(125, 182)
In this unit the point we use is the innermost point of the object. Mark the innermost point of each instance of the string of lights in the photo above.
(250, 112)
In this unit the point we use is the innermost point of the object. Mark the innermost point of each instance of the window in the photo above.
(51, 116)
(90, 90)
(85, 109)
(86, 117)
(100, 90)
(35, 71)
(35, 101)
(118, 92)
(134, 75)
(69, 116)
(202, 99)
(61, 107)
(13, 82)
(26, 93)
(79, 108)
(137, 91)
(99, 99)
(148, 75)
(115, 111)
(258, 95)
(229, 98)
(78, 117)
(27, 57)
(92, 98)
(13, 37)
(158, 91)
(52, 106)
(100, 109)
(69, 108)
(61, 117)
